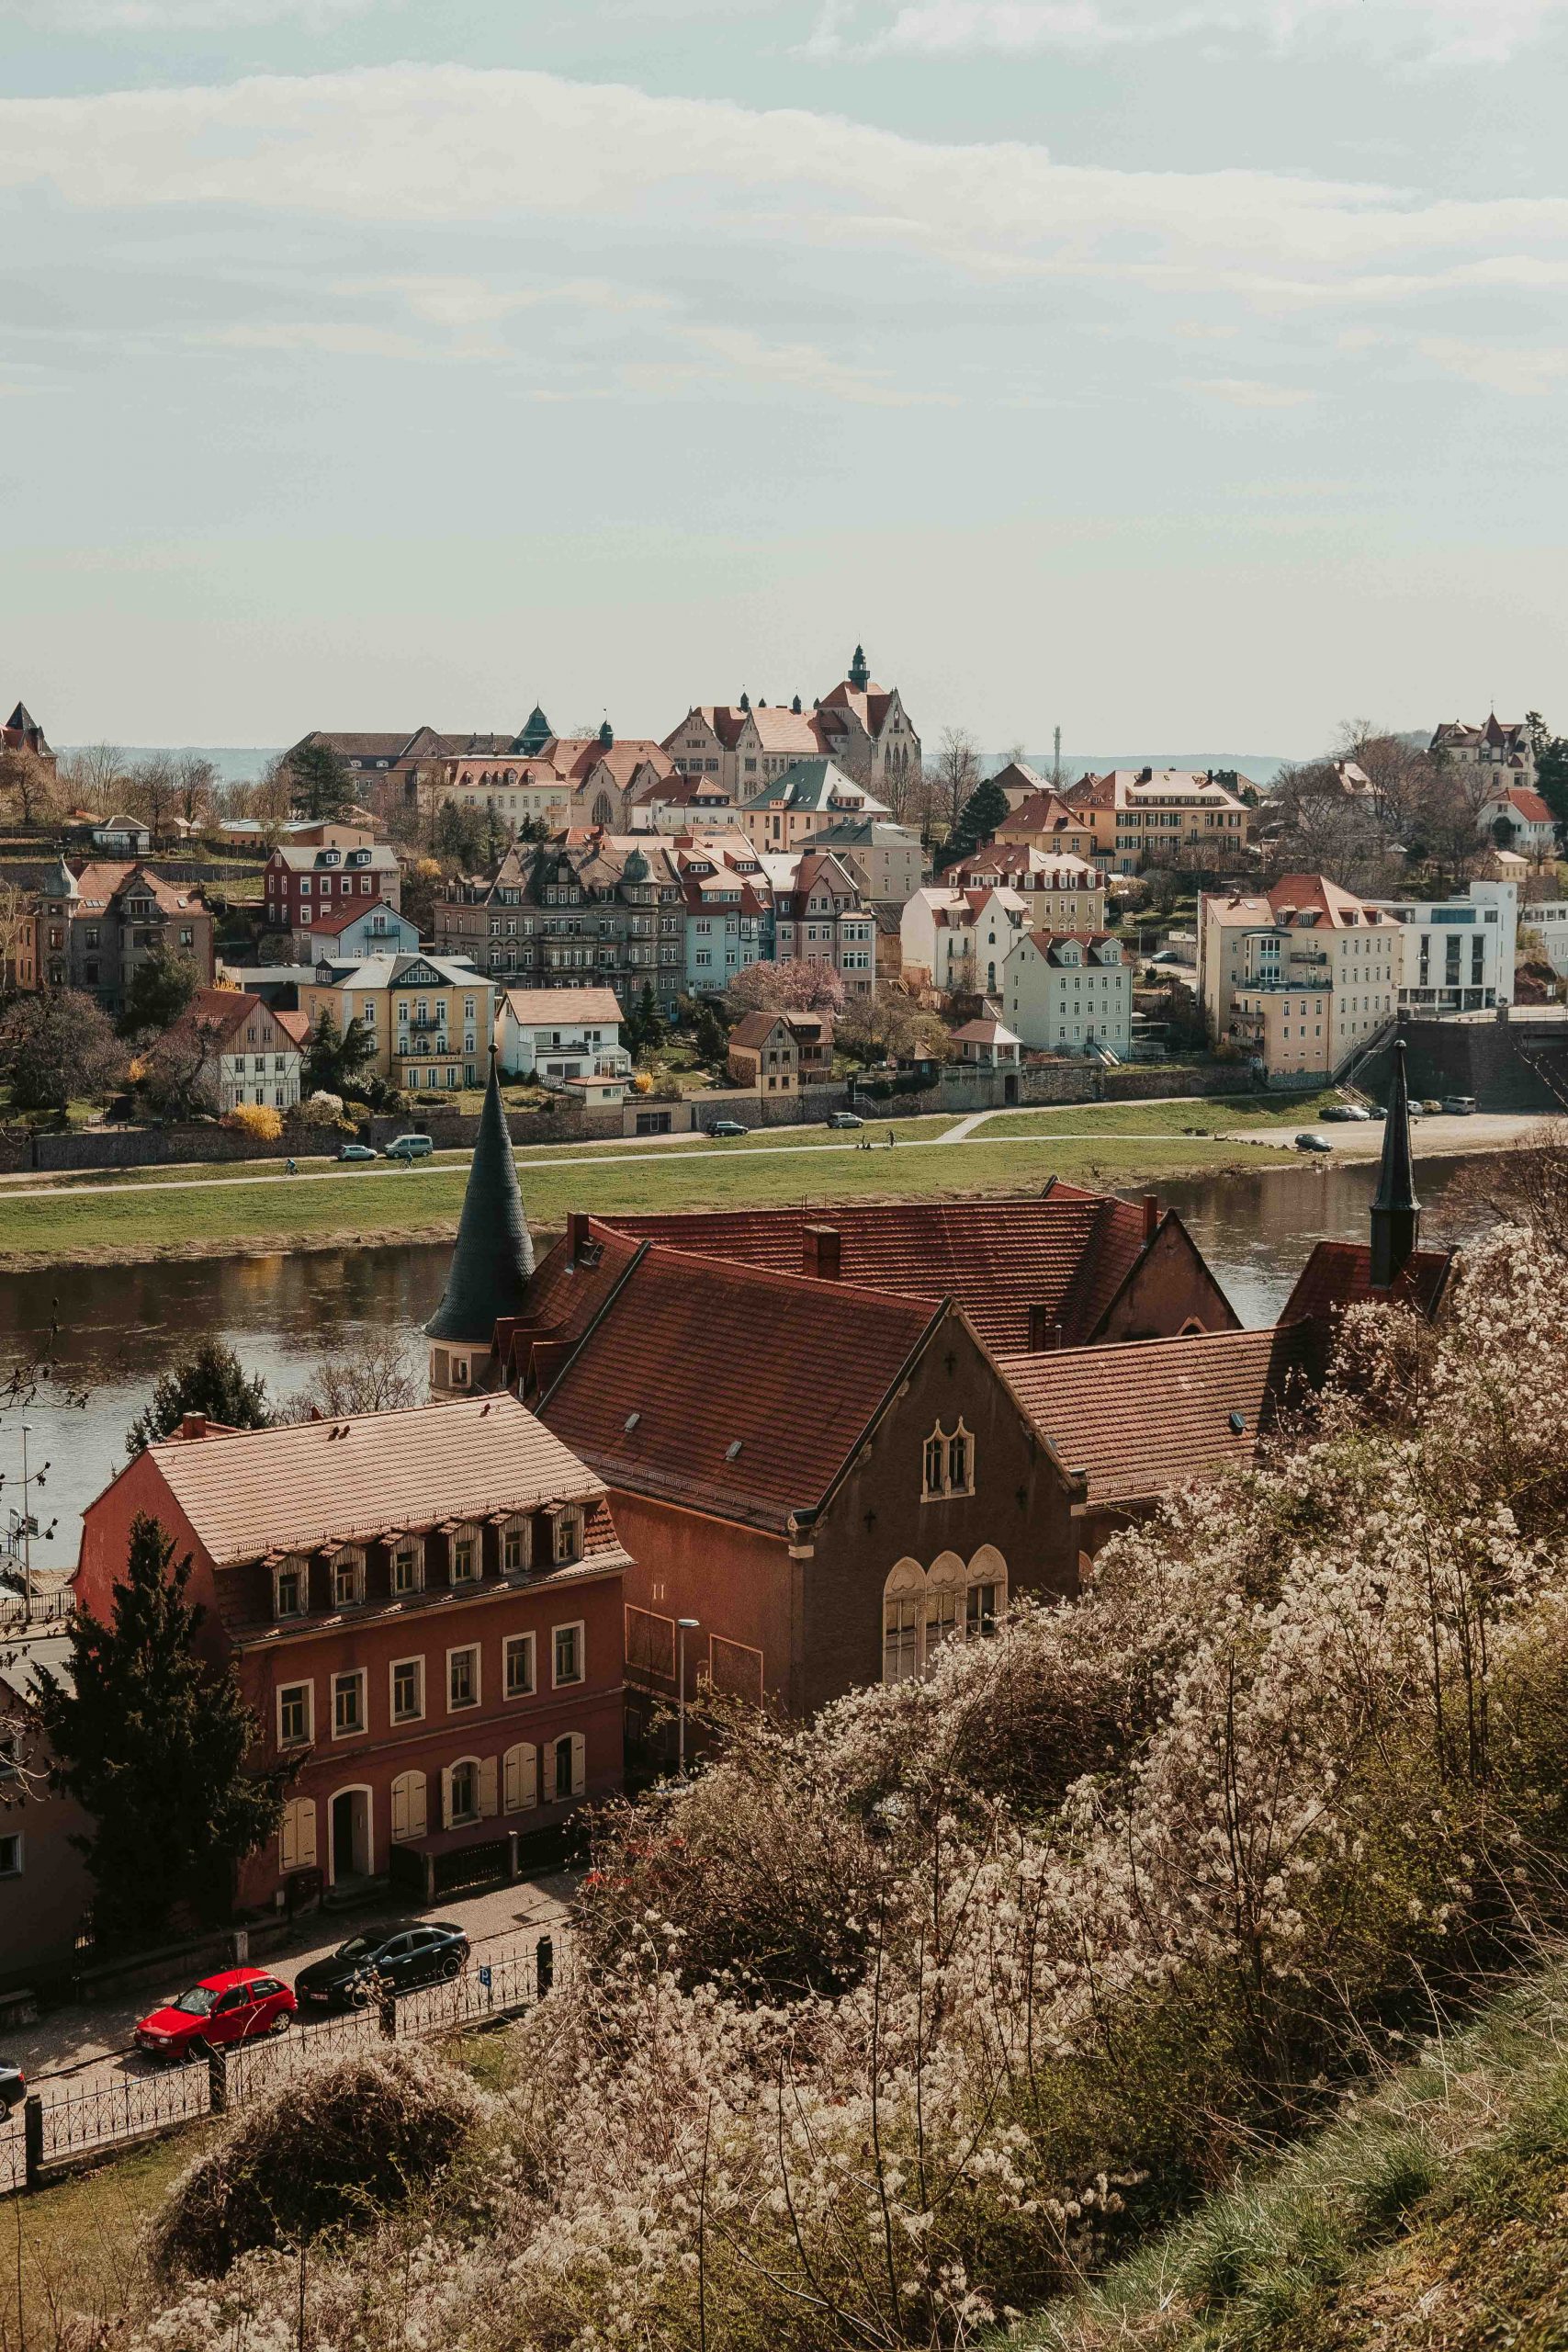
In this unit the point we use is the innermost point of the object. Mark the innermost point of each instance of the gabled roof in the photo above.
(566, 1292)
(1340, 1274)
(1527, 803)
(1144, 1419)
(816, 785)
(337, 917)
(670, 1396)
(225, 1011)
(101, 882)
(248, 1492)
(558, 1008)
(985, 1032)
(1068, 1253)
(755, 1028)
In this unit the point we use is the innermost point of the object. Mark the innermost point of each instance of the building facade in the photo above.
(587, 909)
(1299, 977)
(1152, 817)
(809, 798)
(305, 881)
(246, 1051)
(557, 1033)
(1502, 749)
(1070, 993)
(354, 929)
(819, 918)
(432, 1021)
(96, 928)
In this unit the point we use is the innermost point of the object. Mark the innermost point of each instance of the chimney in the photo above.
(576, 1236)
(193, 1425)
(819, 1254)
(1151, 1216)
(1045, 1337)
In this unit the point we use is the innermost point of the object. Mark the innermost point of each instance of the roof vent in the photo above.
(632, 1419)
(1238, 1423)
(732, 1449)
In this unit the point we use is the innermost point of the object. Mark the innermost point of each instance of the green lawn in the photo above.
(1219, 1114)
(368, 1204)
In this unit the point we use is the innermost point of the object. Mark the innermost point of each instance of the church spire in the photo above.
(494, 1257)
(1396, 1212)
(860, 670)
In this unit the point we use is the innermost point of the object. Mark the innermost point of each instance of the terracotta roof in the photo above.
(1340, 1274)
(563, 1297)
(332, 920)
(729, 1390)
(550, 1008)
(293, 1025)
(254, 1492)
(1145, 1418)
(995, 1258)
(985, 1033)
(104, 880)
(1530, 805)
(755, 1028)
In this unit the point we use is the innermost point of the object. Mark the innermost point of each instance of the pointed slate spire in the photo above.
(494, 1254)
(1396, 1212)
(533, 734)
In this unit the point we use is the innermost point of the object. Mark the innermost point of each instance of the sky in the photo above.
(1174, 371)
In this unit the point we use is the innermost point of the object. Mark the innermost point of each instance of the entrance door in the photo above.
(351, 1839)
(1010, 1088)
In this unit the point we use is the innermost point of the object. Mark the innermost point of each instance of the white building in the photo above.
(246, 1052)
(1530, 820)
(1459, 954)
(1502, 747)
(962, 939)
(1070, 993)
(560, 1035)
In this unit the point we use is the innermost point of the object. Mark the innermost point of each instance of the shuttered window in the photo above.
(521, 1777)
(409, 1819)
(297, 1835)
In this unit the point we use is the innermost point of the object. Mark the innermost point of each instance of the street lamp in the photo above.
(683, 1626)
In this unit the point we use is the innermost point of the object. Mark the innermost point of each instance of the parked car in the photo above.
(359, 1152)
(1309, 1142)
(1337, 1111)
(13, 2088)
(723, 1127)
(1459, 1106)
(845, 1119)
(404, 1958)
(1431, 1107)
(410, 1147)
(237, 2005)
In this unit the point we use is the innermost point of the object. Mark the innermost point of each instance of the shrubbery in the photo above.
(259, 1120)
(895, 2021)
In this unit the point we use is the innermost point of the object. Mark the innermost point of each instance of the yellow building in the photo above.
(432, 1021)
(1155, 816)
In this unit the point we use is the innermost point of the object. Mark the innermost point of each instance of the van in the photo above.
(1459, 1106)
(410, 1147)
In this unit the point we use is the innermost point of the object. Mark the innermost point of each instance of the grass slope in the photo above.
(127, 1221)
(1431, 2216)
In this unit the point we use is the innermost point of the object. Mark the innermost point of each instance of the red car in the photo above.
(237, 2005)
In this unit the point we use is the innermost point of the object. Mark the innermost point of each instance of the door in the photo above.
(351, 1834)
(395, 1963)
(231, 2016)
(1010, 1088)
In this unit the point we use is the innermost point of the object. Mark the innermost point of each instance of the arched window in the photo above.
(468, 1791)
(408, 1816)
(945, 1588)
(903, 1611)
(948, 1462)
(960, 1462)
(936, 1464)
(568, 1768)
(604, 808)
(986, 1597)
(297, 1835)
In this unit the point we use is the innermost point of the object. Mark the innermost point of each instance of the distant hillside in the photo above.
(1260, 767)
(240, 765)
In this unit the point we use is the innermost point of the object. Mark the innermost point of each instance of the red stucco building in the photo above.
(426, 1609)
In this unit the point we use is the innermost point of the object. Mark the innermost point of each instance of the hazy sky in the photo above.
(1187, 372)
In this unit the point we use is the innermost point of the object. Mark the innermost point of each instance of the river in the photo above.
(121, 1325)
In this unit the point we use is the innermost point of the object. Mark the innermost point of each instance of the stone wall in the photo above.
(1500, 1063)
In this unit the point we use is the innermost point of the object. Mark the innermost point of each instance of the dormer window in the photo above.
(330, 857)
(517, 1546)
(408, 1566)
(290, 1588)
(348, 1579)
(948, 1464)
(467, 1556)
(568, 1544)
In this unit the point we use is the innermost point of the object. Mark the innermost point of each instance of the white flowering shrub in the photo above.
(895, 2021)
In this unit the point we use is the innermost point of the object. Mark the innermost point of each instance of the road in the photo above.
(86, 2046)
(1432, 1139)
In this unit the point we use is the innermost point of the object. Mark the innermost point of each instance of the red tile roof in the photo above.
(1145, 1418)
(335, 919)
(1068, 1253)
(730, 1390)
(1340, 1274)
(564, 1295)
(1529, 805)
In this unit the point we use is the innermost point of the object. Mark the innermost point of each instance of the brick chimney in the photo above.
(819, 1253)
(1151, 1216)
(576, 1236)
(1043, 1335)
(193, 1425)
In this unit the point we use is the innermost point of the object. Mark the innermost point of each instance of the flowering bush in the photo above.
(258, 1119)
(895, 2021)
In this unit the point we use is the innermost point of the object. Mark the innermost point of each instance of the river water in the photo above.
(121, 1325)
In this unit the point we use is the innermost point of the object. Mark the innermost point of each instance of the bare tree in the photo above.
(1527, 1185)
(150, 793)
(196, 782)
(383, 1376)
(93, 775)
(28, 783)
(951, 776)
(1320, 828)
(16, 923)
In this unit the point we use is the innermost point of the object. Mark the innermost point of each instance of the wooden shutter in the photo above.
(579, 1764)
(521, 1778)
(445, 1820)
(408, 1805)
(296, 1837)
(400, 1806)
(487, 1788)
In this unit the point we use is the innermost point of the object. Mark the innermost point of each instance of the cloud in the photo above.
(1525, 375)
(182, 15)
(1436, 32)
(1245, 391)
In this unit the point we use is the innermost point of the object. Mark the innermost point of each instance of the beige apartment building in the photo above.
(1299, 977)
(1155, 816)
(433, 1020)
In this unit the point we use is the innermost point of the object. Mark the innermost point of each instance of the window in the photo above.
(947, 1464)
(463, 1791)
(289, 1588)
(567, 1654)
(980, 1616)
(348, 1703)
(567, 1538)
(466, 1556)
(294, 1713)
(407, 1567)
(520, 1778)
(519, 1656)
(408, 1690)
(348, 1579)
(515, 1546)
(568, 1768)
(463, 1678)
(903, 1606)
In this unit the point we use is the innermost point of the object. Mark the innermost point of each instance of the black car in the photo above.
(399, 1959)
(13, 2088)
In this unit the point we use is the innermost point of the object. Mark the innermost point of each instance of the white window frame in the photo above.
(517, 1530)
(469, 1532)
(569, 1681)
(465, 1650)
(307, 1684)
(413, 1544)
(351, 1674)
(417, 1714)
(513, 1644)
(566, 1537)
(295, 1565)
(351, 1557)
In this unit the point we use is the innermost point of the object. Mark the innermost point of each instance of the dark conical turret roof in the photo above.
(1396, 1212)
(860, 669)
(533, 734)
(494, 1254)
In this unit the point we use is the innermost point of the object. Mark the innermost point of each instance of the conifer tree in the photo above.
(152, 1740)
(212, 1381)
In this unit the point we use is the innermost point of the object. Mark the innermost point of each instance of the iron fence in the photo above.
(56, 2131)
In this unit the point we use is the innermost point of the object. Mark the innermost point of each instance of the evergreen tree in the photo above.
(335, 1059)
(319, 780)
(709, 1035)
(213, 1381)
(985, 809)
(649, 1028)
(159, 991)
(1551, 779)
(152, 1741)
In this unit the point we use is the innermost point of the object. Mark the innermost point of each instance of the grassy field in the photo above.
(131, 1220)
(1220, 1114)
(1432, 2215)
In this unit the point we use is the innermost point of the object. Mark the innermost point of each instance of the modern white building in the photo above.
(561, 1034)
(1070, 993)
(1458, 954)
